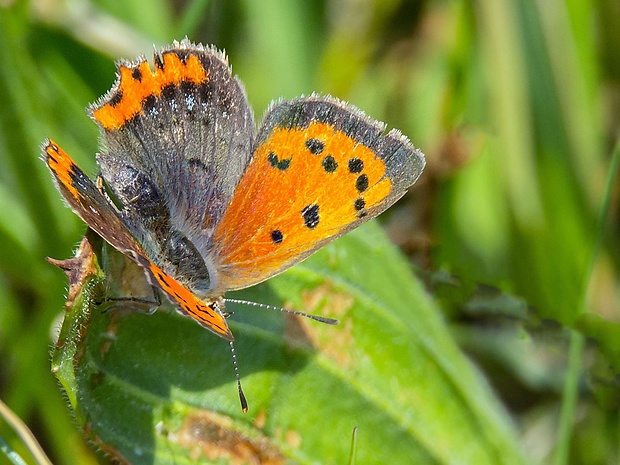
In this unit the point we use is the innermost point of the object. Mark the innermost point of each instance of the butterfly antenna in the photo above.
(329, 321)
(244, 402)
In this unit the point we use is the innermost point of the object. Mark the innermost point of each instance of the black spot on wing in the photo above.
(356, 165)
(315, 146)
(116, 98)
(276, 162)
(361, 183)
(136, 74)
(329, 164)
(310, 214)
(277, 236)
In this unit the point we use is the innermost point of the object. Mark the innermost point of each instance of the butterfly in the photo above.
(203, 202)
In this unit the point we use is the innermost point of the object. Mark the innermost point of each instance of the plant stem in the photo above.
(571, 383)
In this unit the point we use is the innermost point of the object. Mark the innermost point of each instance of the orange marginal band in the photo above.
(201, 312)
(139, 82)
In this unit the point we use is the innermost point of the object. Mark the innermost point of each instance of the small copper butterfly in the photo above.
(204, 203)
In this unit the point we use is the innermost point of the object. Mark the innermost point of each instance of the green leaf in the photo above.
(160, 389)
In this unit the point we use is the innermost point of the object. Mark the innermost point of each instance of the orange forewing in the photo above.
(86, 200)
(263, 230)
(92, 207)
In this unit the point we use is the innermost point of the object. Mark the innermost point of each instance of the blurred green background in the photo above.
(515, 104)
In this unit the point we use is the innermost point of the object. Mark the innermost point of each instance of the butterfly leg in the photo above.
(139, 304)
(134, 291)
(100, 183)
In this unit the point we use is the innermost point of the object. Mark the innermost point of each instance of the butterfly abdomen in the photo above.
(180, 258)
